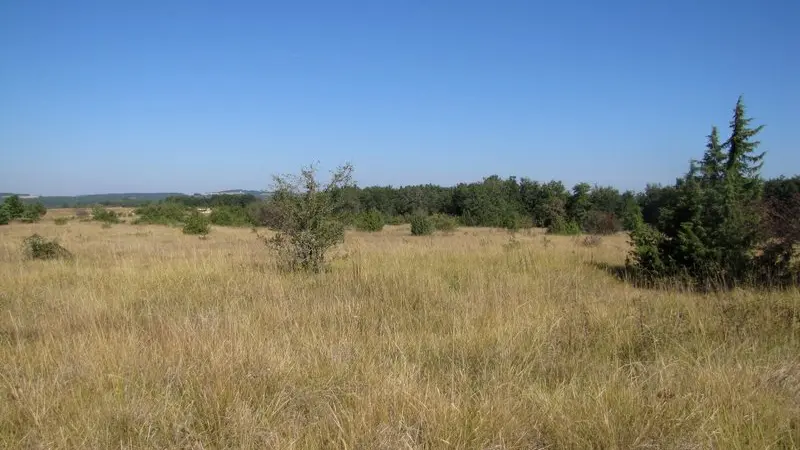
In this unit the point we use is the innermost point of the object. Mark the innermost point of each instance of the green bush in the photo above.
(38, 247)
(102, 214)
(33, 212)
(443, 222)
(306, 215)
(197, 223)
(167, 213)
(230, 216)
(563, 227)
(421, 225)
(370, 221)
(61, 220)
(14, 207)
(5, 217)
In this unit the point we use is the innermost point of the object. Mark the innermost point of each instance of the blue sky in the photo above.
(195, 96)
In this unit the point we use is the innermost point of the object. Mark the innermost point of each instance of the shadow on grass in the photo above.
(638, 279)
(641, 280)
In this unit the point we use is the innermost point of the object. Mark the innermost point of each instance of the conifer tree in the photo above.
(708, 231)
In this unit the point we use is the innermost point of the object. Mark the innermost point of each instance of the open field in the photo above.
(154, 339)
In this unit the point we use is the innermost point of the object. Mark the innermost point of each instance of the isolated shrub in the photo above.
(61, 220)
(371, 220)
(81, 213)
(563, 227)
(197, 223)
(443, 222)
(38, 247)
(102, 214)
(421, 225)
(307, 218)
(601, 222)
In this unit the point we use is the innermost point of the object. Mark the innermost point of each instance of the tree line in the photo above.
(720, 223)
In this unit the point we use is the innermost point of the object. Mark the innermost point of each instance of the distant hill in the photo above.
(118, 199)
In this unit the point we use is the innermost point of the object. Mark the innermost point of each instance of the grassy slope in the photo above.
(153, 339)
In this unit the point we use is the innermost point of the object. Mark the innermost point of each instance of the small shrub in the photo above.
(81, 213)
(197, 224)
(61, 220)
(102, 214)
(5, 217)
(370, 221)
(443, 222)
(38, 247)
(106, 225)
(563, 227)
(421, 225)
(304, 214)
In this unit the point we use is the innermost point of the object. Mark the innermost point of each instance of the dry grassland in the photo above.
(153, 339)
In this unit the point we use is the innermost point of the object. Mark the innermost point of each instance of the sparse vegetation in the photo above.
(457, 338)
(485, 338)
(61, 220)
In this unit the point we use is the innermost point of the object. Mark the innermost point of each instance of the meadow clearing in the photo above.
(153, 339)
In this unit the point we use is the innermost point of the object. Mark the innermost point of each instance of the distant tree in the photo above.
(631, 215)
(14, 206)
(579, 204)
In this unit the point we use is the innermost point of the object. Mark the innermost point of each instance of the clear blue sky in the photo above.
(194, 96)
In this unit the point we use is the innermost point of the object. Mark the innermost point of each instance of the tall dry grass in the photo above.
(154, 339)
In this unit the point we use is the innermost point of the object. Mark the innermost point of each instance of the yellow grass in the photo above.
(153, 339)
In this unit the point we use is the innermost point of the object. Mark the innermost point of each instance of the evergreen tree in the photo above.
(713, 163)
(14, 206)
(709, 228)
